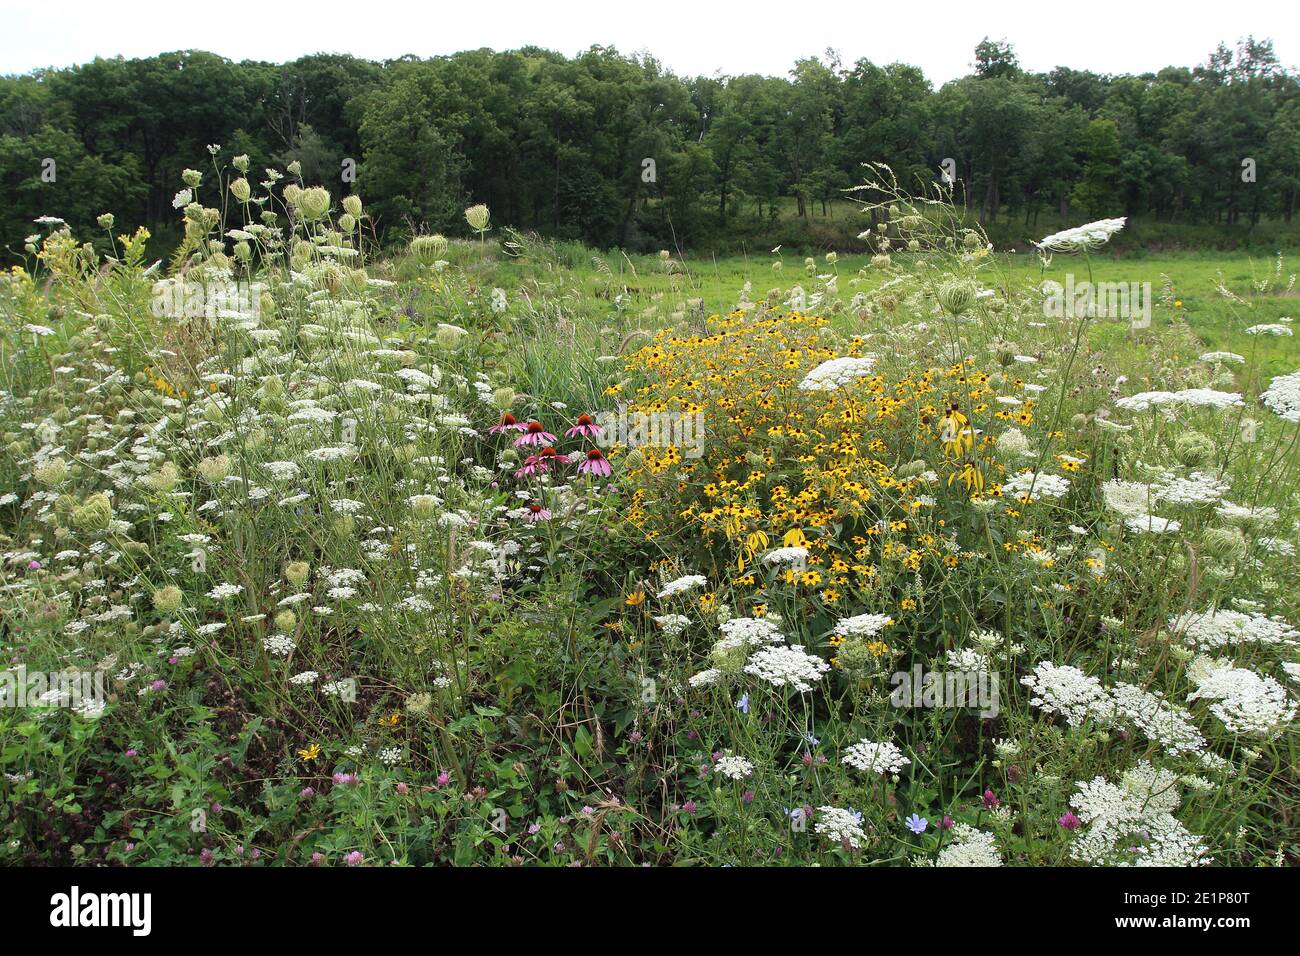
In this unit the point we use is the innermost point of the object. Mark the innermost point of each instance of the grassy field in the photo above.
(1260, 288)
(319, 557)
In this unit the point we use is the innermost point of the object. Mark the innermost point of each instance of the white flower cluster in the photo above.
(1068, 691)
(754, 631)
(682, 584)
(1132, 824)
(969, 847)
(1283, 396)
(863, 625)
(672, 624)
(785, 556)
(1269, 328)
(1152, 524)
(1044, 485)
(1223, 628)
(1082, 238)
(1240, 514)
(1197, 488)
(1197, 397)
(871, 757)
(1232, 357)
(787, 667)
(968, 661)
(1159, 720)
(840, 826)
(1128, 498)
(1244, 701)
(733, 767)
(281, 645)
(1012, 443)
(836, 373)
(705, 678)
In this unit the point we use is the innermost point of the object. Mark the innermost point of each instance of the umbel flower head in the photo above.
(1083, 238)
(313, 203)
(956, 296)
(429, 248)
(477, 217)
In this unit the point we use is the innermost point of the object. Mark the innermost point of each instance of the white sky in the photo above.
(689, 36)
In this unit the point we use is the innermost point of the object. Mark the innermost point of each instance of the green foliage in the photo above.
(557, 145)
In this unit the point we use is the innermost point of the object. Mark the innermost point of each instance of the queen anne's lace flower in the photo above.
(1082, 238)
(1283, 396)
(1043, 485)
(785, 556)
(969, 847)
(681, 584)
(1196, 397)
(733, 767)
(1128, 498)
(672, 624)
(969, 661)
(705, 678)
(1214, 629)
(1132, 824)
(787, 667)
(1152, 524)
(1167, 724)
(871, 757)
(1239, 514)
(1196, 489)
(1068, 691)
(1245, 702)
(840, 826)
(863, 625)
(753, 631)
(836, 373)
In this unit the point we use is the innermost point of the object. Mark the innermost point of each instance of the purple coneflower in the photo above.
(508, 423)
(541, 462)
(534, 434)
(586, 427)
(595, 464)
(536, 513)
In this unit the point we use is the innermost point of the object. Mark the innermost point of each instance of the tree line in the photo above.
(614, 150)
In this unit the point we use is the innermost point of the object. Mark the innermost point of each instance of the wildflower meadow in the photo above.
(479, 553)
(325, 544)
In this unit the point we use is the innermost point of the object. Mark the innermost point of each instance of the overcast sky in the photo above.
(689, 36)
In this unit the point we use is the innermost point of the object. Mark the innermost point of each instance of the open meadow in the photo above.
(505, 550)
